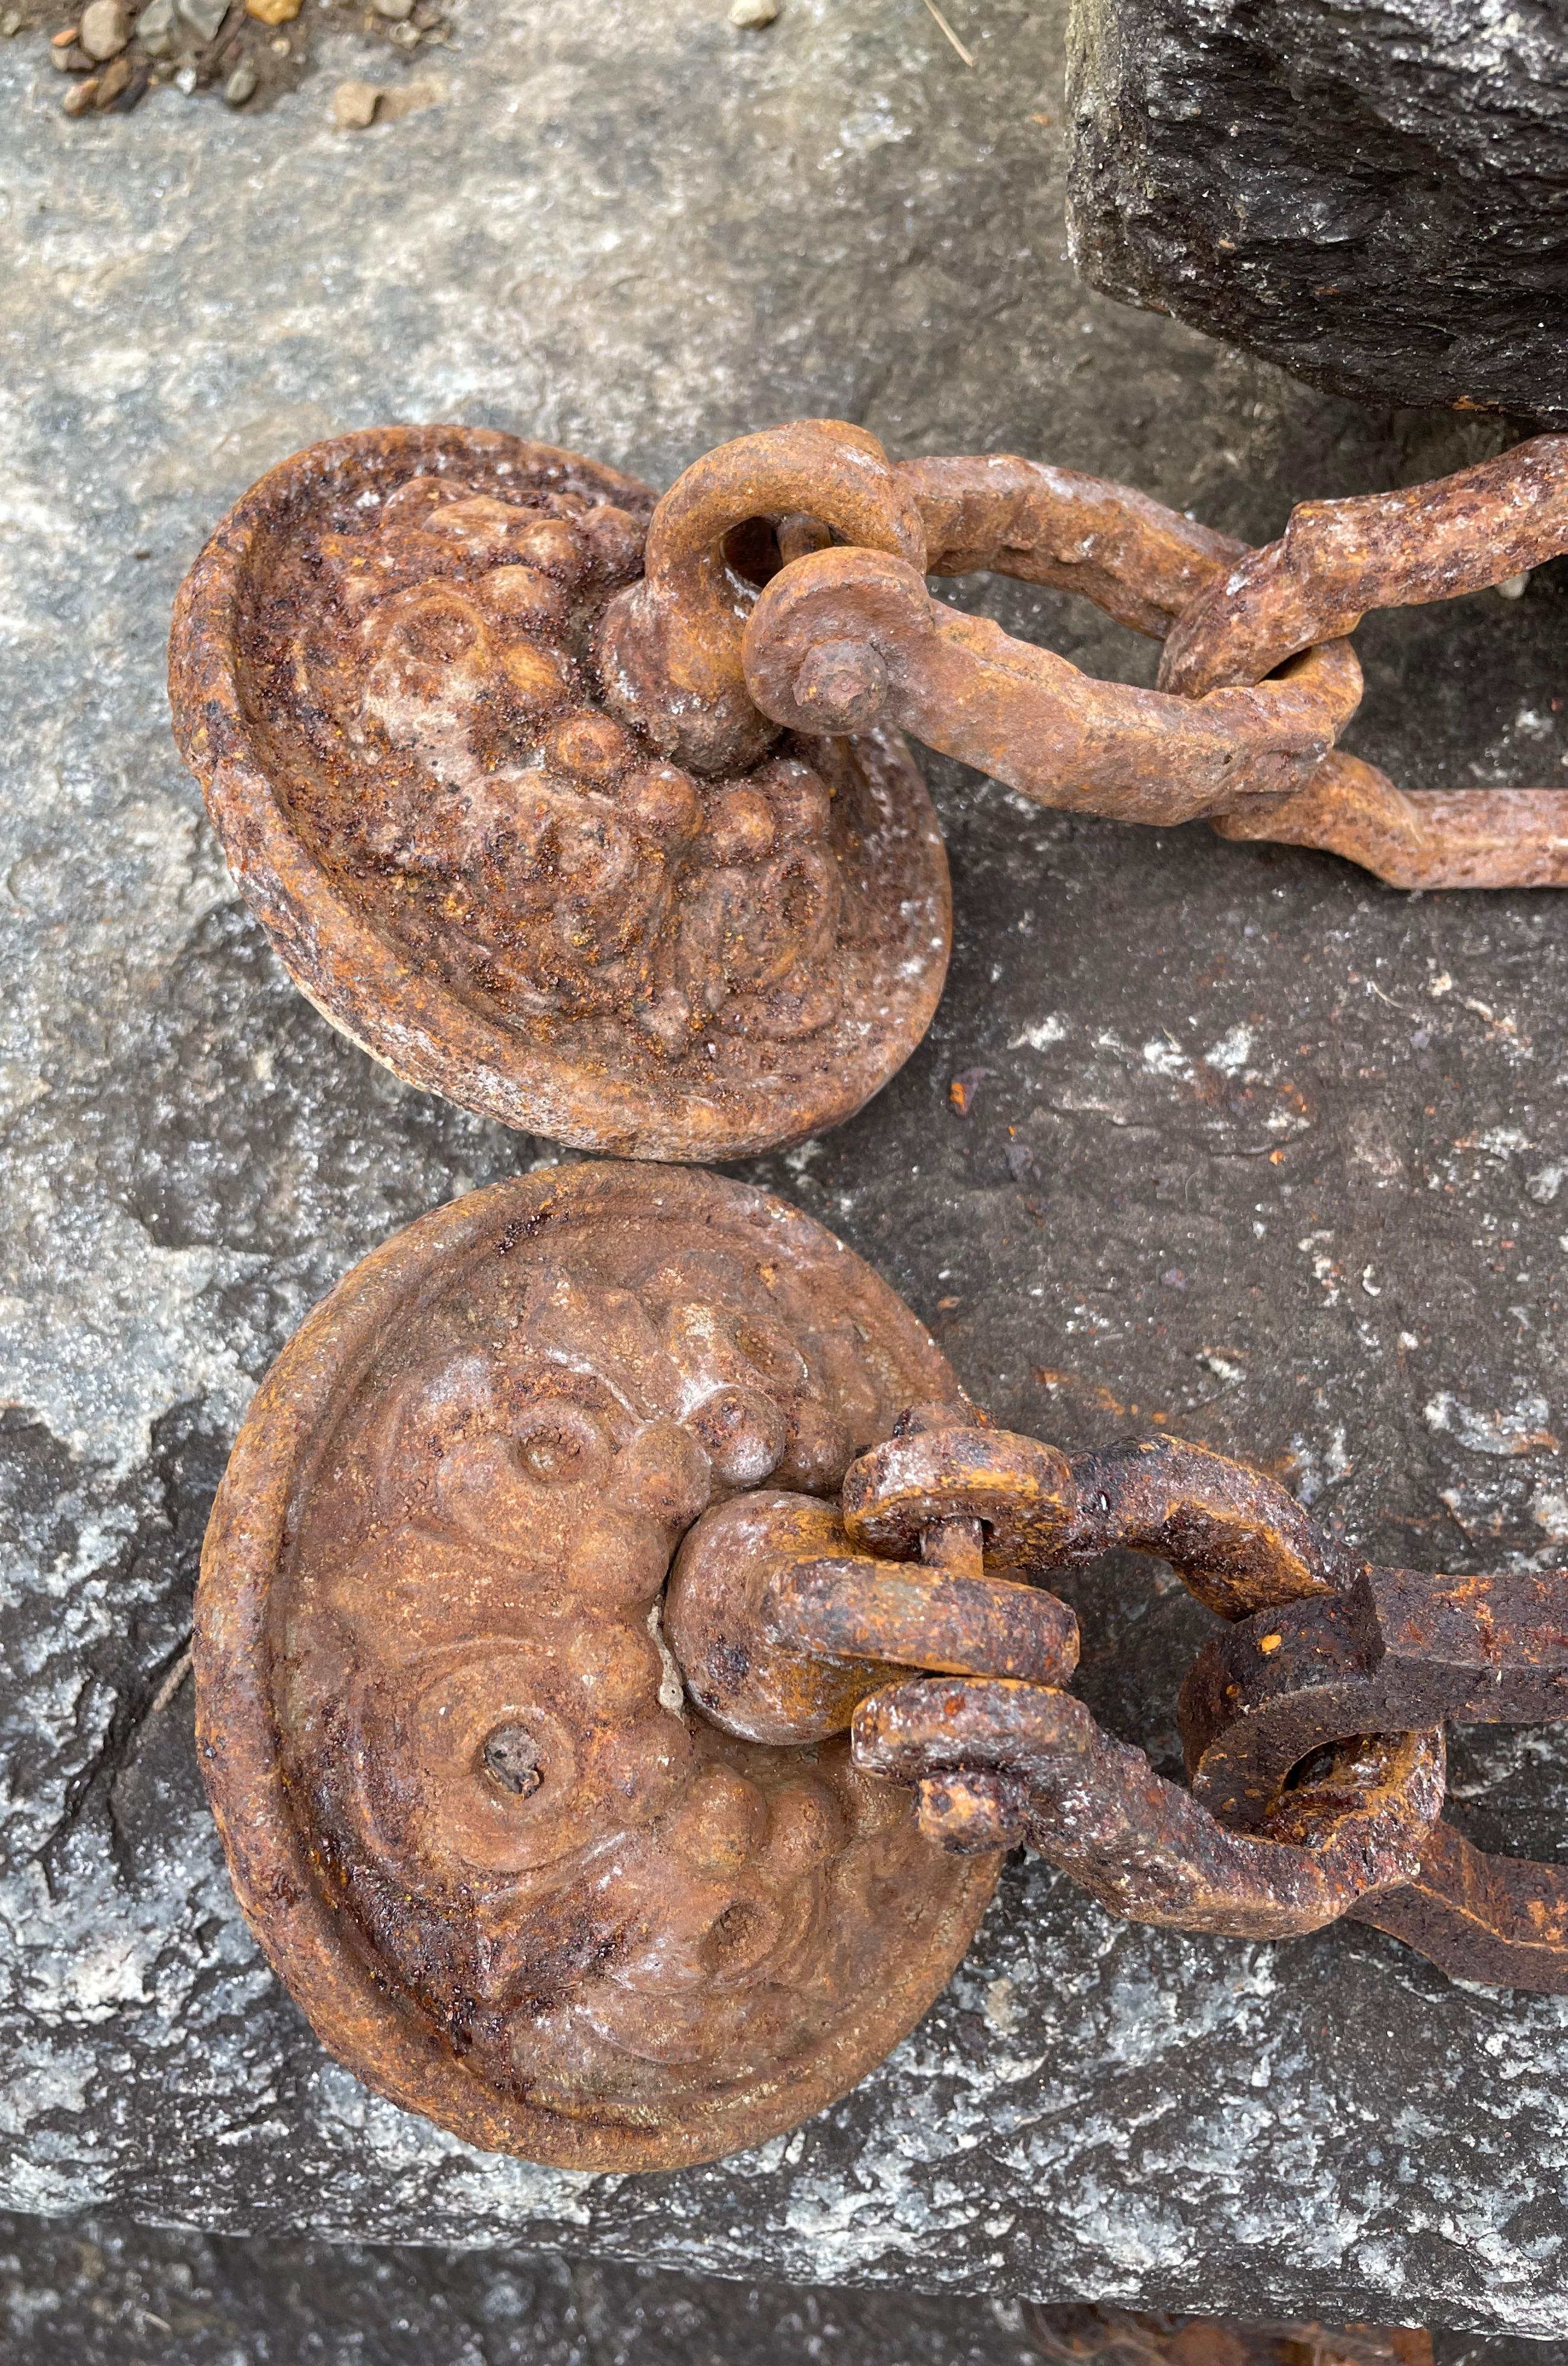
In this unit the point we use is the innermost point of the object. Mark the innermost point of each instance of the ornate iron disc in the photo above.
(513, 1878)
(384, 673)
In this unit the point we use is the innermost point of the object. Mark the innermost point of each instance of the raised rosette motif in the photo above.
(582, 871)
(391, 671)
(535, 1892)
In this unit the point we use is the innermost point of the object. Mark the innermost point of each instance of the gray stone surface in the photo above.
(1370, 195)
(1261, 1149)
(100, 2295)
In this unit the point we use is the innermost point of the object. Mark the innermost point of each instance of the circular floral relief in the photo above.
(511, 1874)
(386, 676)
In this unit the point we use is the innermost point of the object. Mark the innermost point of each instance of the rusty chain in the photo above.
(830, 628)
(579, 1611)
(494, 739)
(1312, 1723)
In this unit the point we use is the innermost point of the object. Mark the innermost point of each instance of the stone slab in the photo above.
(118, 2295)
(1261, 1149)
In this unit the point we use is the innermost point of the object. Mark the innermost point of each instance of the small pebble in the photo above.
(186, 81)
(155, 29)
(106, 28)
(273, 12)
(11, 23)
(406, 36)
(408, 98)
(66, 58)
(393, 10)
(78, 99)
(750, 16)
(241, 84)
(1515, 587)
(354, 104)
(115, 77)
(204, 17)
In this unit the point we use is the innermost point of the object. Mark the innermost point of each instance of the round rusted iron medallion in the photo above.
(512, 1877)
(385, 673)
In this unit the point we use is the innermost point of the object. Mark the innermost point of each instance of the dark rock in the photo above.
(91, 2293)
(1375, 196)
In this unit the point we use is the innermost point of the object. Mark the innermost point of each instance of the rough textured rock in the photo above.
(1253, 1146)
(122, 2296)
(1372, 196)
(115, 2295)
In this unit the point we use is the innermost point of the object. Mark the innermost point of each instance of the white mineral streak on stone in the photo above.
(118, 1334)
(1232, 1051)
(1047, 1031)
(1511, 1430)
(1001, 2007)
(408, 2149)
(1162, 1057)
(59, 2083)
(1548, 1510)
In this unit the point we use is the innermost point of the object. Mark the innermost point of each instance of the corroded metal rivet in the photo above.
(842, 684)
(513, 1877)
(510, 1757)
(508, 812)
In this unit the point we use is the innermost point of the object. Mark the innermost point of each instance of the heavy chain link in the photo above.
(1258, 679)
(1314, 1729)
(1312, 1724)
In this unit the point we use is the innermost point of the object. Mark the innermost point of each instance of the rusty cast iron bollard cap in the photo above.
(1399, 1648)
(505, 808)
(513, 1880)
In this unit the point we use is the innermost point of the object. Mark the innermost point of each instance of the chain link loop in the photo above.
(1312, 1723)
(1257, 678)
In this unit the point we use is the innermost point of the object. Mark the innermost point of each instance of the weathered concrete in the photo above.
(1261, 1148)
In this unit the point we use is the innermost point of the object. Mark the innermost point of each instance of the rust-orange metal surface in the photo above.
(1257, 679)
(1400, 1647)
(401, 671)
(623, 1656)
(594, 813)
(1313, 1721)
(513, 1879)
